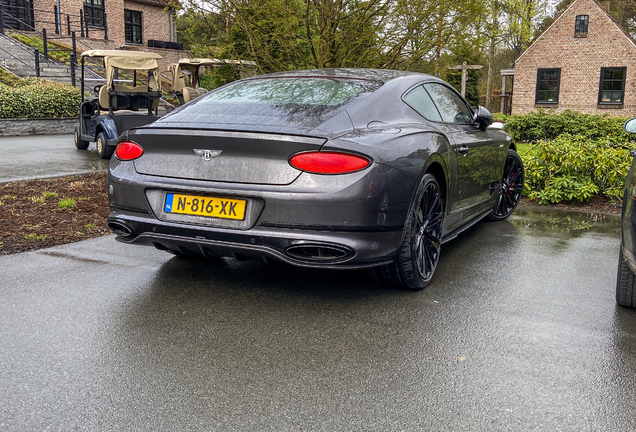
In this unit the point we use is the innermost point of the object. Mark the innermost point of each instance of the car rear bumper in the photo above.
(300, 247)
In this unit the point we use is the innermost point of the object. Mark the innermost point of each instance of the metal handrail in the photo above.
(95, 76)
(78, 21)
(19, 44)
(7, 52)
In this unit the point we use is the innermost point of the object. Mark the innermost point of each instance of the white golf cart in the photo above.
(129, 98)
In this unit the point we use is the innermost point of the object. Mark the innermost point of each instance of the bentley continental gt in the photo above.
(333, 168)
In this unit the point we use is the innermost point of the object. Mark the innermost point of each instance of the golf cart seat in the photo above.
(103, 98)
(136, 99)
(185, 77)
(189, 93)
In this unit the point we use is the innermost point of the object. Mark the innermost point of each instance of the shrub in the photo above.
(219, 76)
(33, 98)
(545, 125)
(572, 168)
(8, 78)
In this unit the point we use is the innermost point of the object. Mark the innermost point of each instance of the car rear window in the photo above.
(284, 96)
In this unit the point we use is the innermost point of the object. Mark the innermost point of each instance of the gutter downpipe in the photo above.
(59, 19)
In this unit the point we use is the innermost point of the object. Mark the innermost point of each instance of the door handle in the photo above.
(463, 150)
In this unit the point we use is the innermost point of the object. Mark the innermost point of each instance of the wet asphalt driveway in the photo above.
(518, 331)
(42, 156)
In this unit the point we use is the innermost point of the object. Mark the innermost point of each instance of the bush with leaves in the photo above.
(572, 168)
(545, 125)
(37, 98)
(7, 78)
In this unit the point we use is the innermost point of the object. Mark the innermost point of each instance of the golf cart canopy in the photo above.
(131, 60)
(191, 65)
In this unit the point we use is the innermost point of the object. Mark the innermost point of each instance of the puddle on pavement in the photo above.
(576, 223)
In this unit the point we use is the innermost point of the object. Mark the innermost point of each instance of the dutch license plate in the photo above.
(205, 206)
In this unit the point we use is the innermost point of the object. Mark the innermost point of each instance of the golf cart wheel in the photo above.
(103, 149)
(80, 144)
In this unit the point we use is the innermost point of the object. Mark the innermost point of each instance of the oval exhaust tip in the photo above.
(120, 229)
(318, 252)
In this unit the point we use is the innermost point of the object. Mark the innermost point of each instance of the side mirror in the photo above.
(630, 125)
(483, 117)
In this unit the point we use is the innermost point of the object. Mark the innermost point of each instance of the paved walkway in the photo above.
(42, 156)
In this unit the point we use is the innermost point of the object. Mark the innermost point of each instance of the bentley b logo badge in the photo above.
(207, 154)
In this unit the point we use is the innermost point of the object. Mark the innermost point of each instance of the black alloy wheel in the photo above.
(103, 149)
(511, 188)
(419, 254)
(80, 144)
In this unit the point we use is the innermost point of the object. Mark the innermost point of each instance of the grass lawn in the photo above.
(523, 148)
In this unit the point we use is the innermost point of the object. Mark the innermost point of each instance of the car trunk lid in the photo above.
(223, 156)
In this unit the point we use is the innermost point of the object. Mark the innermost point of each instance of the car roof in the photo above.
(383, 75)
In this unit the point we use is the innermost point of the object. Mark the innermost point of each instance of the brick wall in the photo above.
(580, 60)
(156, 21)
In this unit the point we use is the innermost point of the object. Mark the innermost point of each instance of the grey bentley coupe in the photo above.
(333, 168)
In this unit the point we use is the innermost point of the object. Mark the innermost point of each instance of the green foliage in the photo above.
(572, 168)
(34, 98)
(303, 34)
(8, 78)
(545, 125)
(468, 54)
(219, 76)
(199, 31)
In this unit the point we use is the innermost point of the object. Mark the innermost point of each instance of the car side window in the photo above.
(450, 105)
(420, 101)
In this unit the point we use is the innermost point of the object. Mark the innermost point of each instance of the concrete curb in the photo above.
(51, 176)
(37, 126)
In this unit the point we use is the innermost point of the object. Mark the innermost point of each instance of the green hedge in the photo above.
(572, 168)
(7, 78)
(545, 125)
(33, 98)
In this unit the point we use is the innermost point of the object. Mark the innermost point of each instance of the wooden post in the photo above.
(503, 94)
(465, 67)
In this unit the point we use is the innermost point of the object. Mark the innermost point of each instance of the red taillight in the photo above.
(329, 162)
(128, 150)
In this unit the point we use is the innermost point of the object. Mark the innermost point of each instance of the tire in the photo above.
(511, 188)
(419, 253)
(80, 144)
(625, 292)
(103, 149)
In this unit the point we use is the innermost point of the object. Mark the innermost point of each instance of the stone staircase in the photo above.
(19, 59)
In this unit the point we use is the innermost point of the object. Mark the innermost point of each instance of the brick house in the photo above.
(123, 22)
(134, 25)
(584, 61)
